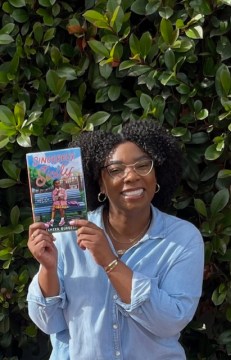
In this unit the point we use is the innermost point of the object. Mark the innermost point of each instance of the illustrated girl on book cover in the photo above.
(59, 197)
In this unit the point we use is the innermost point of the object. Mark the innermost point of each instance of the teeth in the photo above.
(133, 193)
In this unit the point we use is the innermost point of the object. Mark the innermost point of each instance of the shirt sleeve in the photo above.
(47, 313)
(164, 306)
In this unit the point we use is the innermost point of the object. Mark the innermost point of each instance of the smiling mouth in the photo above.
(133, 193)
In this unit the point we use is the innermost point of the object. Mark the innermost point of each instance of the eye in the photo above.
(142, 165)
(115, 169)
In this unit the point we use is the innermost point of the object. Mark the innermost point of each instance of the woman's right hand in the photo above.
(41, 245)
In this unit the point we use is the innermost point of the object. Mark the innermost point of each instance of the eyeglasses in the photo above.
(118, 170)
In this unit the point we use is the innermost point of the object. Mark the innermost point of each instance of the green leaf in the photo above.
(225, 337)
(55, 83)
(116, 21)
(166, 12)
(38, 32)
(222, 81)
(101, 95)
(200, 207)
(224, 48)
(6, 183)
(49, 34)
(211, 152)
(11, 170)
(169, 59)
(74, 112)
(139, 70)
(98, 118)
(24, 140)
(145, 44)
(134, 45)
(127, 64)
(195, 32)
(98, 48)
(71, 128)
(199, 138)
(203, 114)
(7, 29)
(20, 15)
(146, 102)
(139, 7)
(4, 142)
(219, 201)
(97, 19)
(23, 277)
(167, 31)
(209, 172)
(179, 131)
(43, 144)
(219, 295)
(19, 113)
(6, 116)
(47, 3)
(224, 174)
(6, 39)
(14, 215)
(183, 45)
(17, 3)
(5, 254)
(114, 92)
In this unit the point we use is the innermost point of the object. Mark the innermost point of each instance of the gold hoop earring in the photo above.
(102, 197)
(157, 188)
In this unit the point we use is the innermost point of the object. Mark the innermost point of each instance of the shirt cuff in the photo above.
(35, 295)
(141, 289)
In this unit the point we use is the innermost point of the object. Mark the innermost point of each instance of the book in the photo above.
(57, 188)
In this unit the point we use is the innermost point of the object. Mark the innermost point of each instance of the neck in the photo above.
(118, 232)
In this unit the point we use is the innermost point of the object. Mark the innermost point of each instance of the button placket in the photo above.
(115, 327)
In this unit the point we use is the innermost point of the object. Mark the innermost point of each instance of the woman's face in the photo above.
(128, 190)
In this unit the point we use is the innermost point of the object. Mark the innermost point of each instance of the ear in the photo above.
(101, 185)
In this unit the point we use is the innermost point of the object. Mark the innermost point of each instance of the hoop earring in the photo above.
(157, 188)
(102, 197)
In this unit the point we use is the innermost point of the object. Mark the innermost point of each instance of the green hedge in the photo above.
(73, 66)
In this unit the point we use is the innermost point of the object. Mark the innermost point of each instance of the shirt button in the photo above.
(115, 297)
(115, 326)
(117, 353)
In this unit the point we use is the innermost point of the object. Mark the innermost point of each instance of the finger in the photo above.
(42, 243)
(35, 226)
(81, 245)
(82, 222)
(89, 230)
(40, 235)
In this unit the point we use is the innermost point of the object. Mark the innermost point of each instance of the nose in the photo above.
(130, 172)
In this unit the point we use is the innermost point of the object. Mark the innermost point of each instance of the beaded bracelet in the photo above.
(111, 266)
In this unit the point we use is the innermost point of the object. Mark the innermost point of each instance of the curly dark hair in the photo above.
(153, 139)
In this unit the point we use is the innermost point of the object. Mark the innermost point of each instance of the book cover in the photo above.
(57, 189)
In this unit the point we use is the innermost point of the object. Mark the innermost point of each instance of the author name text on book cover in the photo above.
(57, 188)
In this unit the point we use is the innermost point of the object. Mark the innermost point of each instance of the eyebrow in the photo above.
(143, 157)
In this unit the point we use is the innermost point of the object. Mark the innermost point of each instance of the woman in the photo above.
(131, 279)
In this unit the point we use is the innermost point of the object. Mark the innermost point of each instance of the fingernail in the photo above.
(72, 222)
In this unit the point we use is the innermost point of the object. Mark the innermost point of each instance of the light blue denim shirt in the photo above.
(88, 320)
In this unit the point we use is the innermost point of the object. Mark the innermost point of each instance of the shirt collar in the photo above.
(157, 229)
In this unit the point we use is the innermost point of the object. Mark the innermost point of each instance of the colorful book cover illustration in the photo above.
(57, 189)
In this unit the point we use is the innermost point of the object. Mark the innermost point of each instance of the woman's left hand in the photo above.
(93, 238)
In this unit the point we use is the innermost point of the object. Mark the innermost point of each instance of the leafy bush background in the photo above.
(72, 66)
